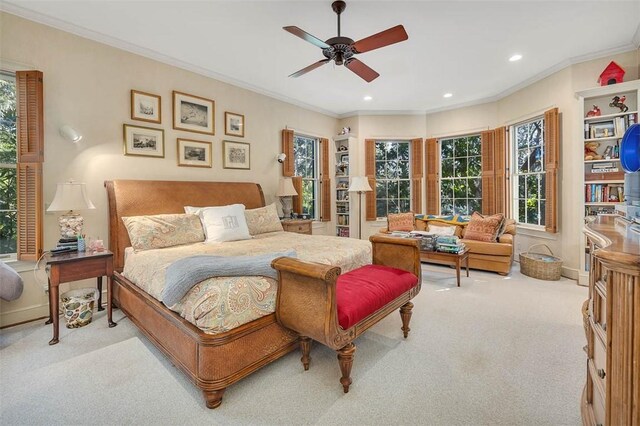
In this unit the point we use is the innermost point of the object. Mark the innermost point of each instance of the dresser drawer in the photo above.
(301, 227)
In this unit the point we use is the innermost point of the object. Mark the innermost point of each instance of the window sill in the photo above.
(535, 231)
(20, 266)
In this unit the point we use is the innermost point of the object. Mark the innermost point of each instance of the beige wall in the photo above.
(87, 85)
(557, 90)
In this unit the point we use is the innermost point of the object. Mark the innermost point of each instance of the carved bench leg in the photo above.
(345, 358)
(213, 398)
(405, 314)
(305, 347)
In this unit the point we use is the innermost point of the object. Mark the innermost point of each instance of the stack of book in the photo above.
(449, 244)
(606, 167)
(69, 243)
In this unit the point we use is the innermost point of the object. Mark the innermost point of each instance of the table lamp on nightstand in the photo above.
(70, 196)
(285, 191)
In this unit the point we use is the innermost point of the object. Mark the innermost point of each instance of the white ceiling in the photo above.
(453, 46)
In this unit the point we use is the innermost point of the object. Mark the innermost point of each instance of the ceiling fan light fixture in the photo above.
(515, 58)
(447, 95)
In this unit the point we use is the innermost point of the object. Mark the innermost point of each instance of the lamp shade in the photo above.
(70, 196)
(360, 184)
(286, 189)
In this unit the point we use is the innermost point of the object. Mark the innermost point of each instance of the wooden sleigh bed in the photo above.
(211, 361)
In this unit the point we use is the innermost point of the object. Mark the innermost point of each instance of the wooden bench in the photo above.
(320, 304)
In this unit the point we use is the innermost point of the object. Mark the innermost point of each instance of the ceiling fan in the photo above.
(341, 50)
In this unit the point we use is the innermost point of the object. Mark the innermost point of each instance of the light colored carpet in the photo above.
(498, 350)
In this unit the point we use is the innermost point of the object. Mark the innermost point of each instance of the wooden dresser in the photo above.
(611, 395)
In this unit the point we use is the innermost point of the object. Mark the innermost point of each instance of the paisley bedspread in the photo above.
(219, 304)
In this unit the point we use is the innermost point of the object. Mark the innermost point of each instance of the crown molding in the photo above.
(150, 54)
(68, 27)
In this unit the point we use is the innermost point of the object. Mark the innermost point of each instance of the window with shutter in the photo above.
(552, 163)
(393, 177)
(432, 162)
(370, 173)
(416, 175)
(488, 173)
(461, 175)
(500, 162)
(287, 149)
(30, 148)
(8, 167)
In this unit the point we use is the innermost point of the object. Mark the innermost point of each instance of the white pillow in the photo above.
(442, 230)
(224, 223)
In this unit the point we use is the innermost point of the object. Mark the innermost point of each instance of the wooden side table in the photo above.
(301, 226)
(443, 258)
(76, 266)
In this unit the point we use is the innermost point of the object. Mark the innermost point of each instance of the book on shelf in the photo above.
(606, 165)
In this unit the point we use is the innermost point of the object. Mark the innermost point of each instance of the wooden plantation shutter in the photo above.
(488, 173)
(297, 199)
(500, 170)
(325, 182)
(432, 162)
(370, 173)
(416, 175)
(30, 148)
(551, 160)
(288, 166)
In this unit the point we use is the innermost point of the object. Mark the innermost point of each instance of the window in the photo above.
(305, 152)
(529, 172)
(461, 175)
(393, 178)
(8, 182)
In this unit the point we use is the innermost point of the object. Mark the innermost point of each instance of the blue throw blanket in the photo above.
(183, 274)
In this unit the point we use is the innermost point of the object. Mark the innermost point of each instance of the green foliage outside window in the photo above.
(305, 153)
(529, 170)
(393, 177)
(461, 175)
(8, 182)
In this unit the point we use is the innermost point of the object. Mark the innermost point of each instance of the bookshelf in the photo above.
(342, 173)
(603, 183)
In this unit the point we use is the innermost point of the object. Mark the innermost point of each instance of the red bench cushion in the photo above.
(363, 291)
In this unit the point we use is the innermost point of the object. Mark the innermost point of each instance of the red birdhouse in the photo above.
(612, 74)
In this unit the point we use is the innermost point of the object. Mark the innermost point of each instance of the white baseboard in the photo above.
(25, 314)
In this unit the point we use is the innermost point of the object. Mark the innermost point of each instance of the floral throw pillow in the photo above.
(484, 228)
(400, 222)
(163, 230)
(263, 219)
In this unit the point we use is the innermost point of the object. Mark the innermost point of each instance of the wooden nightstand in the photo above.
(301, 226)
(76, 266)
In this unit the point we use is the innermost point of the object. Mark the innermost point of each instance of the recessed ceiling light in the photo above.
(515, 57)
(447, 95)
(367, 98)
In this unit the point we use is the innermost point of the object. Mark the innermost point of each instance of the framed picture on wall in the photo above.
(236, 155)
(194, 153)
(233, 124)
(143, 141)
(193, 113)
(146, 107)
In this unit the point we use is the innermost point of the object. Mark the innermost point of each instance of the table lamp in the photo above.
(360, 184)
(285, 191)
(70, 196)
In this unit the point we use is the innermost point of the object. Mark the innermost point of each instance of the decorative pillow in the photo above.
(484, 228)
(400, 222)
(441, 230)
(263, 219)
(225, 223)
(163, 230)
(457, 230)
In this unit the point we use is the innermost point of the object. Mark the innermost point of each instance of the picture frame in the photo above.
(143, 141)
(192, 153)
(233, 124)
(146, 107)
(602, 130)
(193, 113)
(344, 158)
(236, 155)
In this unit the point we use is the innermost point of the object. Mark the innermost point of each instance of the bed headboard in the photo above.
(148, 197)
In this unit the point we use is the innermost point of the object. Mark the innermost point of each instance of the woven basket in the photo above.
(540, 266)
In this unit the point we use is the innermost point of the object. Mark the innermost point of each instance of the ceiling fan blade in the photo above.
(309, 68)
(385, 38)
(306, 36)
(363, 71)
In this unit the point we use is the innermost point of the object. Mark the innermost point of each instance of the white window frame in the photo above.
(6, 257)
(316, 171)
(454, 178)
(515, 185)
(408, 179)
